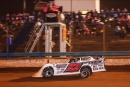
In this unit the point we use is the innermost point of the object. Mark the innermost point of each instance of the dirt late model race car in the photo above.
(84, 66)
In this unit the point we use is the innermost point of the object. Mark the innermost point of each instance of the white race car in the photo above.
(84, 66)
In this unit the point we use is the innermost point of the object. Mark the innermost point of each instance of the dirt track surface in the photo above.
(115, 76)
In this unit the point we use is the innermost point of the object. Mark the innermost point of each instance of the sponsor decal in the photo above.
(61, 65)
(51, 15)
(73, 67)
(60, 70)
(101, 67)
(95, 68)
(96, 63)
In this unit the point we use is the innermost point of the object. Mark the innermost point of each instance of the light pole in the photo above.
(71, 5)
(70, 29)
(24, 7)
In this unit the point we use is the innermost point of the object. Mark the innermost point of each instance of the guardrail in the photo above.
(111, 53)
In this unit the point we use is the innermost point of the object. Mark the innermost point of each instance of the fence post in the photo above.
(7, 44)
(70, 38)
(104, 38)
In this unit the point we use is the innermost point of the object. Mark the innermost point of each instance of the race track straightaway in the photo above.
(115, 76)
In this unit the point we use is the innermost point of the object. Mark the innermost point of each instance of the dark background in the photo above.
(108, 4)
(16, 6)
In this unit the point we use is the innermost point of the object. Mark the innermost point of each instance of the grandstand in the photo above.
(106, 41)
(84, 44)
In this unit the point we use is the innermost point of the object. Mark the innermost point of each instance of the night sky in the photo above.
(16, 6)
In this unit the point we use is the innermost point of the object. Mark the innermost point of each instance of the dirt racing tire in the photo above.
(84, 73)
(90, 71)
(48, 72)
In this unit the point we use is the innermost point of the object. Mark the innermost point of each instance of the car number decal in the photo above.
(73, 67)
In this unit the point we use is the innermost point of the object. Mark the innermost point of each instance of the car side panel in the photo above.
(69, 68)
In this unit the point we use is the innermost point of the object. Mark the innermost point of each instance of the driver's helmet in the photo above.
(76, 59)
(99, 57)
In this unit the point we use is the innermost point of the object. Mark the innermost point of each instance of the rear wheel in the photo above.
(84, 73)
(48, 72)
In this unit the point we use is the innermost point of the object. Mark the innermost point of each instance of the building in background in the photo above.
(76, 5)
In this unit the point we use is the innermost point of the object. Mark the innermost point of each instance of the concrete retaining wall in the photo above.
(41, 62)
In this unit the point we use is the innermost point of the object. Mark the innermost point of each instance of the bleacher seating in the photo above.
(84, 44)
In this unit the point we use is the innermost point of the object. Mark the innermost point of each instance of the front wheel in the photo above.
(48, 72)
(84, 73)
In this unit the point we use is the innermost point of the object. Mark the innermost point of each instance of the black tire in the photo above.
(84, 73)
(90, 71)
(48, 72)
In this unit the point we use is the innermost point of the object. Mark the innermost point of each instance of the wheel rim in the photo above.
(48, 73)
(84, 73)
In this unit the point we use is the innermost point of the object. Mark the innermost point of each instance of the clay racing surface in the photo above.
(115, 76)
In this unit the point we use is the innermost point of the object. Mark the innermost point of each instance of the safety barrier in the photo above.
(39, 62)
(110, 53)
